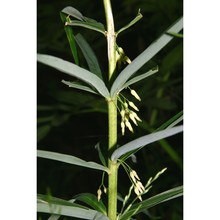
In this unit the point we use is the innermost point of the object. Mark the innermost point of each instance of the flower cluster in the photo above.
(138, 186)
(127, 114)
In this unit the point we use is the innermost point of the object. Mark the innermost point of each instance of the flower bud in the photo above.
(135, 95)
(133, 106)
(99, 193)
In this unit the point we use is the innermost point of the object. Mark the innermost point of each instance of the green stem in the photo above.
(112, 114)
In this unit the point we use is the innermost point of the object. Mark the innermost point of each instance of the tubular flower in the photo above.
(122, 127)
(99, 193)
(133, 106)
(128, 125)
(133, 116)
(133, 92)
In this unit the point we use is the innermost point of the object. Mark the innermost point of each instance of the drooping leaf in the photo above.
(150, 202)
(92, 201)
(66, 208)
(144, 57)
(82, 20)
(76, 85)
(71, 160)
(76, 71)
(89, 55)
(73, 12)
(135, 20)
(145, 140)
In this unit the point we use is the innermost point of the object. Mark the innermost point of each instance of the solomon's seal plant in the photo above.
(92, 81)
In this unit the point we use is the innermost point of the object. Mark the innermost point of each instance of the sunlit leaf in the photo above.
(76, 71)
(71, 160)
(145, 140)
(144, 57)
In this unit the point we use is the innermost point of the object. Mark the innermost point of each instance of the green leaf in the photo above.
(101, 156)
(145, 140)
(76, 71)
(175, 34)
(76, 85)
(135, 20)
(89, 55)
(71, 160)
(92, 201)
(83, 21)
(143, 58)
(172, 122)
(89, 25)
(62, 207)
(73, 12)
(70, 37)
(42, 131)
(150, 202)
(140, 77)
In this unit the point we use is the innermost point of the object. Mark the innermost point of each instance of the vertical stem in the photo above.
(112, 114)
(111, 39)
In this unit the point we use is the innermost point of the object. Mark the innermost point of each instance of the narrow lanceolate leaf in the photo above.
(71, 160)
(144, 57)
(135, 20)
(76, 85)
(89, 55)
(145, 140)
(92, 201)
(70, 37)
(140, 77)
(150, 202)
(82, 20)
(62, 207)
(76, 71)
(172, 122)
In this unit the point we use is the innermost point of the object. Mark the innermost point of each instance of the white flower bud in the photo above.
(135, 95)
(99, 193)
(122, 127)
(133, 106)
(140, 187)
(134, 176)
(122, 112)
(135, 116)
(128, 125)
(137, 193)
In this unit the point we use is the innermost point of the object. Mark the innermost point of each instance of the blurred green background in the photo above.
(72, 122)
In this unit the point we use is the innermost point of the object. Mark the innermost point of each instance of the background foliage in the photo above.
(73, 122)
